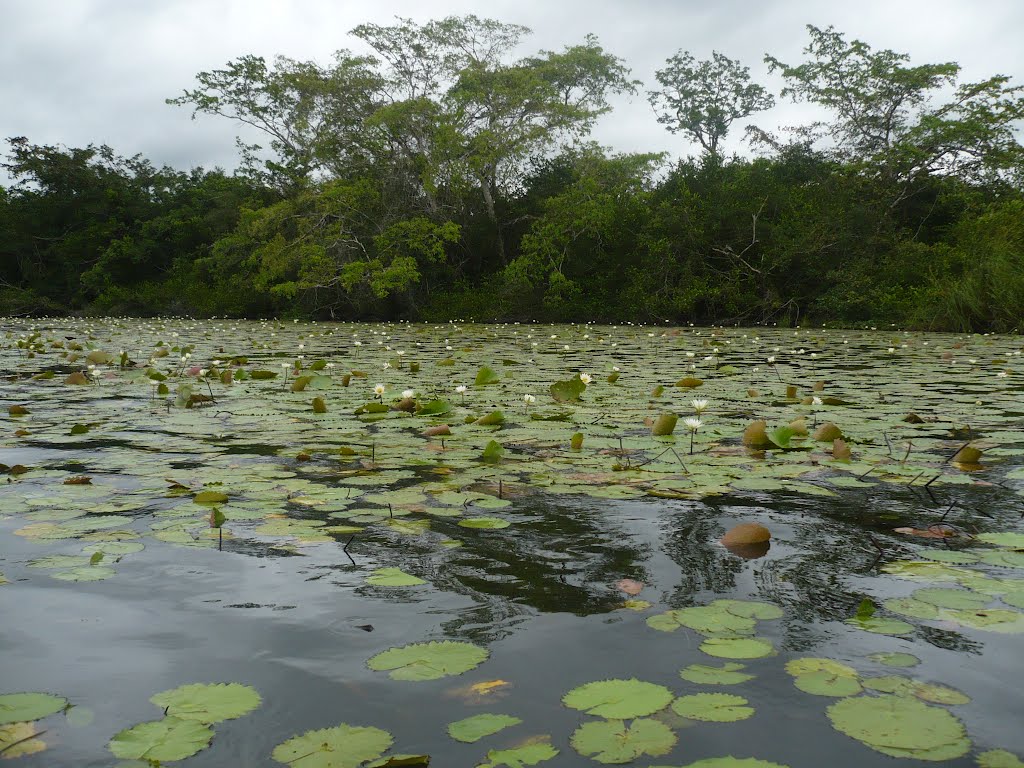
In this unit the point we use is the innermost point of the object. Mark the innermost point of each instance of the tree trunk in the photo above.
(485, 188)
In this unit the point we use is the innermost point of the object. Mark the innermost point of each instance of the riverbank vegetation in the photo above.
(441, 174)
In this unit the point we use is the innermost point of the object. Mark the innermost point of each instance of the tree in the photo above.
(313, 116)
(702, 99)
(467, 115)
(891, 120)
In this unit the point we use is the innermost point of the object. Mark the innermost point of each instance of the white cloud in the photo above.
(81, 71)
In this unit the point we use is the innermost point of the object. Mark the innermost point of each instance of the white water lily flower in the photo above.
(407, 393)
(529, 399)
(771, 359)
(699, 405)
(461, 388)
(378, 390)
(692, 423)
(816, 400)
(585, 378)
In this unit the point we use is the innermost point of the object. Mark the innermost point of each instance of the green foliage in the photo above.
(444, 178)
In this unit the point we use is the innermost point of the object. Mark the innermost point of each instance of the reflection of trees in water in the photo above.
(555, 558)
(690, 539)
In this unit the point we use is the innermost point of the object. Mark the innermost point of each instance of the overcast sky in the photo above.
(98, 71)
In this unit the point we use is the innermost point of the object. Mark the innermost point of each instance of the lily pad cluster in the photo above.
(184, 730)
(728, 626)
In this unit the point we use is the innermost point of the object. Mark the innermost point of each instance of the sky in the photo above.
(98, 71)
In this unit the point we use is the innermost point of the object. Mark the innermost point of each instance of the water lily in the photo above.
(379, 392)
(585, 378)
(699, 405)
(461, 390)
(407, 393)
(693, 424)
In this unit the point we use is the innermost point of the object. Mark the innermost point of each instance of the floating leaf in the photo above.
(713, 707)
(477, 727)
(490, 523)
(951, 598)
(208, 702)
(1009, 539)
(344, 746)
(895, 659)
(210, 497)
(900, 727)
(737, 648)
(532, 752)
(428, 661)
(882, 626)
(493, 452)
(665, 424)
(567, 391)
(23, 707)
(16, 740)
(612, 741)
(618, 699)
(486, 375)
(729, 762)
(728, 674)
(161, 740)
(393, 577)
(999, 758)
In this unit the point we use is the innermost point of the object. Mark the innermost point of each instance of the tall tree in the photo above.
(895, 119)
(702, 99)
(312, 115)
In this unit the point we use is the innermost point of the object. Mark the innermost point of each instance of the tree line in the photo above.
(443, 176)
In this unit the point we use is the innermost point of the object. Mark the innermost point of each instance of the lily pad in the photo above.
(393, 577)
(477, 727)
(713, 707)
(999, 758)
(532, 752)
(618, 699)
(208, 702)
(428, 661)
(344, 746)
(728, 674)
(895, 659)
(485, 523)
(16, 740)
(901, 727)
(737, 648)
(612, 741)
(23, 707)
(161, 740)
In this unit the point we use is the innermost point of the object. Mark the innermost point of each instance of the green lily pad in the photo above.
(908, 606)
(737, 648)
(208, 702)
(989, 619)
(948, 556)
(618, 699)
(882, 626)
(905, 686)
(713, 707)
(999, 758)
(1008, 539)
(16, 740)
(951, 598)
(477, 727)
(900, 726)
(1004, 558)
(161, 740)
(24, 707)
(344, 746)
(612, 741)
(533, 752)
(486, 523)
(895, 659)
(824, 683)
(428, 661)
(393, 577)
(728, 674)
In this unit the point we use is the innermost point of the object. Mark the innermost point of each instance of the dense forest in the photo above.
(445, 177)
